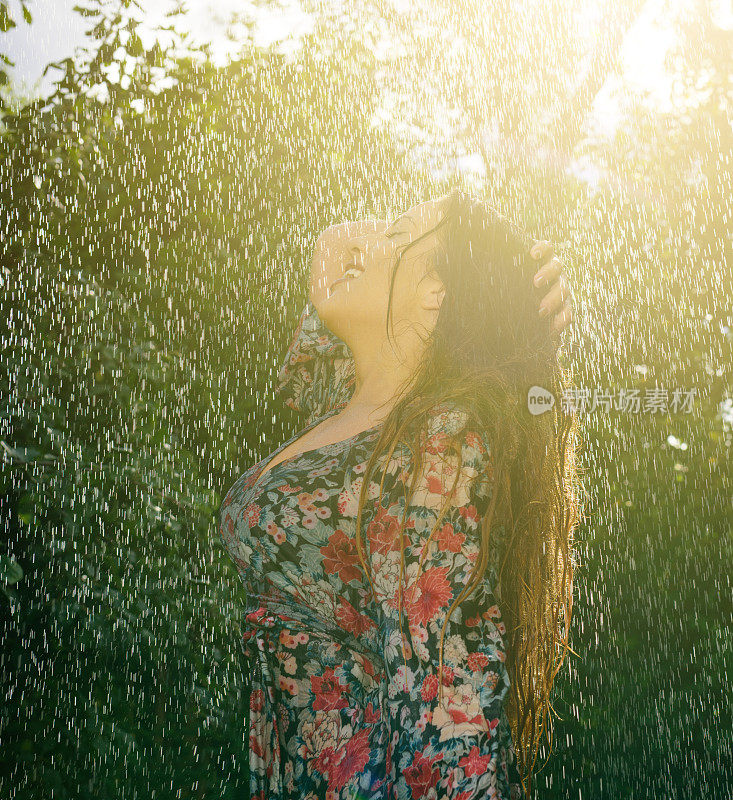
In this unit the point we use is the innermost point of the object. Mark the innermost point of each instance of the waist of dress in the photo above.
(266, 625)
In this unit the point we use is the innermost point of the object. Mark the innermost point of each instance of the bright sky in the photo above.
(56, 30)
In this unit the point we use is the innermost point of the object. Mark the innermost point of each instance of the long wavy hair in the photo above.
(488, 347)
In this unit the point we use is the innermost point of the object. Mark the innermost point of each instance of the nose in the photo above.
(357, 246)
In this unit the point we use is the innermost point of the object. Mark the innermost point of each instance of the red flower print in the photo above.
(382, 532)
(437, 443)
(448, 675)
(351, 620)
(256, 700)
(251, 515)
(256, 745)
(340, 555)
(420, 775)
(435, 484)
(477, 661)
(450, 539)
(474, 763)
(328, 691)
(368, 667)
(469, 513)
(324, 761)
(370, 716)
(429, 688)
(431, 593)
(354, 757)
(256, 615)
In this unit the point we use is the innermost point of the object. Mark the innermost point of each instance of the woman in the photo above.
(395, 649)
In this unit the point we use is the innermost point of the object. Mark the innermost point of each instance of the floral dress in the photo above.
(344, 696)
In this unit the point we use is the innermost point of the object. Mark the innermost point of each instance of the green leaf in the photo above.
(10, 570)
(6, 23)
(86, 12)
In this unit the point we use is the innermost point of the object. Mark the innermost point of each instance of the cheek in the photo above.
(405, 297)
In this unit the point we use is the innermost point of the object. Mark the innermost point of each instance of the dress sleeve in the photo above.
(317, 371)
(458, 748)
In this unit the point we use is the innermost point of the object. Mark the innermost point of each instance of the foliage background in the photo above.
(158, 213)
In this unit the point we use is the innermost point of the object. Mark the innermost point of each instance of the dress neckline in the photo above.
(264, 472)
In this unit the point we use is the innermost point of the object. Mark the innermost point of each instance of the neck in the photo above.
(382, 371)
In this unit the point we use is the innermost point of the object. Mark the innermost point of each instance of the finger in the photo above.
(563, 319)
(553, 301)
(560, 289)
(549, 272)
(561, 322)
(541, 249)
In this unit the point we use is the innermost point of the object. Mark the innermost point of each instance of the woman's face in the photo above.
(356, 302)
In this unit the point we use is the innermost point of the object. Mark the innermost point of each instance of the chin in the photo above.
(331, 308)
(341, 310)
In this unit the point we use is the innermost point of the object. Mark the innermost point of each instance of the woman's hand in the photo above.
(558, 299)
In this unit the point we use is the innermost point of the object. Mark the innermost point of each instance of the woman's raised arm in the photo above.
(317, 371)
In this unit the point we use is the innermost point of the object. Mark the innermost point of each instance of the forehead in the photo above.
(425, 215)
(416, 222)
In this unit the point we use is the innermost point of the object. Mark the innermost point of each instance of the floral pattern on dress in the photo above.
(345, 696)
